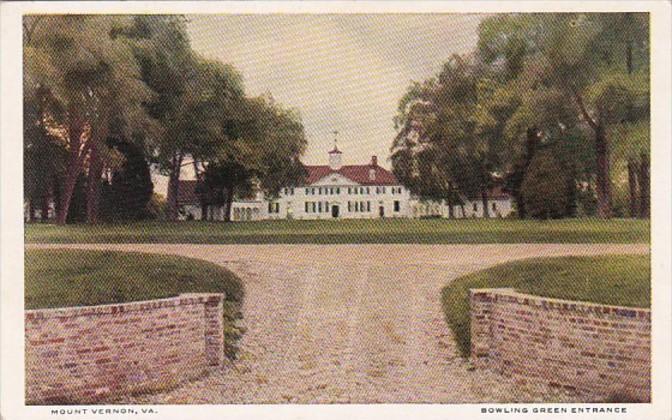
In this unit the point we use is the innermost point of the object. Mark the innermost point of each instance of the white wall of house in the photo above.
(499, 207)
(339, 199)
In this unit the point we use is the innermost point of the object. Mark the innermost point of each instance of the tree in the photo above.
(578, 55)
(130, 187)
(262, 152)
(89, 77)
(446, 141)
(168, 66)
(43, 159)
(544, 188)
(591, 73)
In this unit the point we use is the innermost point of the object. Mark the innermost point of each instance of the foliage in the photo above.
(449, 137)
(130, 187)
(544, 189)
(567, 81)
(84, 80)
(262, 152)
(611, 280)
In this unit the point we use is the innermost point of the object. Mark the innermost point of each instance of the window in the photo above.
(384, 190)
(368, 206)
(277, 207)
(270, 207)
(367, 190)
(313, 207)
(291, 191)
(312, 191)
(326, 207)
(338, 190)
(356, 206)
(349, 206)
(372, 174)
(307, 203)
(397, 205)
(475, 207)
(319, 207)
(319, 191)
(307, 191)
(494, 206)
(349, 190)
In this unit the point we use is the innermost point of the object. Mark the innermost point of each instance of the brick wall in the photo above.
(85, 354)
(596, 350)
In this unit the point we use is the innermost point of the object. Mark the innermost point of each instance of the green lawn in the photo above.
(61, 278)
(623, 280)
(430, 231)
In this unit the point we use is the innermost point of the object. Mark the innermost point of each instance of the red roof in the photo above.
(357, 173)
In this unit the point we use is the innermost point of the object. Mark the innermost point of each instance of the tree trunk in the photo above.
(93, 186)
(74, 168)
(229, 203)
(570, 178)
(484, 199)
(632, 184)
(449, 200)
(602, 168)
(44, 209)
(174, 186)
(31, 211)
(628, 56)
(644, 187)
(531, 143)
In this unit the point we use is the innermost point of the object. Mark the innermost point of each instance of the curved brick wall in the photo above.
(84, 354)
(596, 350)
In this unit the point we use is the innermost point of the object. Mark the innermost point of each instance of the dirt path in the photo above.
(352, 323)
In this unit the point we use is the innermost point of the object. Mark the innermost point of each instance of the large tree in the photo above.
(88, 74)
(583, 56)
(449, 133)
(169, 67)
(262, 151)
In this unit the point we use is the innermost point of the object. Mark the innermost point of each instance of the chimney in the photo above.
(374, 160)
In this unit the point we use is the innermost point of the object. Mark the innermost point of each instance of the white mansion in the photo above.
(337, 191)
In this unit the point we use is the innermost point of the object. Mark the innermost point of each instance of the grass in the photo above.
(429, 231)
(623, 280)
(62, 278)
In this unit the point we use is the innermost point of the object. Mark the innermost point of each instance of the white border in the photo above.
(11, 207)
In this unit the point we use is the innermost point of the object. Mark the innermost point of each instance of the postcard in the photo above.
(336, 209)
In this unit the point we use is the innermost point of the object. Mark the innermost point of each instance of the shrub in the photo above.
(544, 189)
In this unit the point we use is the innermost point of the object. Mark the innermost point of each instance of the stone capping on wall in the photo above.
(510, 295)
(134, 306)
(600, 351)
(90, 353)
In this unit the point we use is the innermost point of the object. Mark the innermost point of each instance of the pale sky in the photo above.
(341, 72)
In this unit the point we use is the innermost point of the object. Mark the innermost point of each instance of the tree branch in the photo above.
(582, 108)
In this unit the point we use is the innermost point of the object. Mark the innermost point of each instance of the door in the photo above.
(334, 211)
(381, 211)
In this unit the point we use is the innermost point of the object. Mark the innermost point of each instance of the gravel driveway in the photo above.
(352, 324)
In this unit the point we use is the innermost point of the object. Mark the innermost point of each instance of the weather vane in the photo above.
(335, 137)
